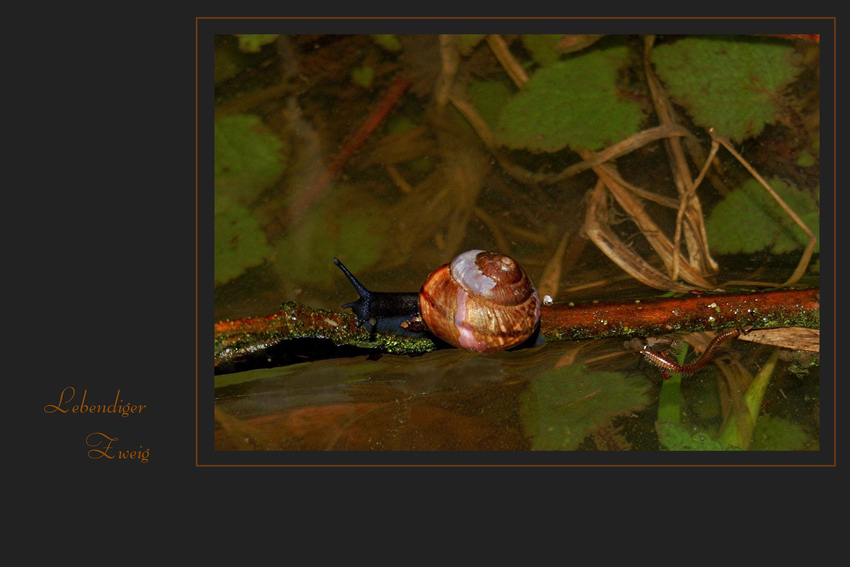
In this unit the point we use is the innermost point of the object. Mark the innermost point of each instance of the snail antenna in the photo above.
(361, 306)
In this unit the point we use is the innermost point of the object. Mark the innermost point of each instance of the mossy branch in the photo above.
(241, 339)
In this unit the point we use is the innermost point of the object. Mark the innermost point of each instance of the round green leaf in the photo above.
(749, 220)
(248, 157)
(573, 103)
(356, 234)
(731, 83)
(239, 242)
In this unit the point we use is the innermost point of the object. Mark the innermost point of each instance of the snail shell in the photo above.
(482, 301)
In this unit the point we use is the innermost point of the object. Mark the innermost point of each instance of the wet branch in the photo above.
(239, 340)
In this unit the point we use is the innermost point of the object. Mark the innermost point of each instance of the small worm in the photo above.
(666, 364)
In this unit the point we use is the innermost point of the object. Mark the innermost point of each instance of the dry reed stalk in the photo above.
(511, 65)
(684, 203)
(450, 60)
(694, 231)
(623, 147)
(660, 243)
(597, 228)
(551, 278)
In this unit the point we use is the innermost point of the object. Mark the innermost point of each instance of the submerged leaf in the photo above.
(467, 42)
(776, 434)
(749, 220)
(363, 76)
(676, 437)
(252, 42)
(489, 97)
(248, 157)
(727, 82)
(573, 103)
(239, 241)
(563, 406)
(353, 231)
(542, 47)
(387, 40)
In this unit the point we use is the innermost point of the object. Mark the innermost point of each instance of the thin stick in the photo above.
(695, 236)
(450, 59)
(653, 234)
(683, 206)
(502, 243)
(280, 218)
(503, 54)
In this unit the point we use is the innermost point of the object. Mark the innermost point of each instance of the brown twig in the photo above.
(763, 310)
(239, 340)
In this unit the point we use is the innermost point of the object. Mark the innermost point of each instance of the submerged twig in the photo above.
(450, 59)
(301, 202)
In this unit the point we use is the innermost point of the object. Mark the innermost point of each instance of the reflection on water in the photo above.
(592, 395)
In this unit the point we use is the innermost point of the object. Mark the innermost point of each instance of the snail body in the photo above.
(481, 301)
(381, 311)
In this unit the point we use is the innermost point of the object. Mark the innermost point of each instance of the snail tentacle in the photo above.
(382, 312)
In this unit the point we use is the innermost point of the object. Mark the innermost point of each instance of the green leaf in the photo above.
(252, 42)
(573, 103)
(775, 434)
(489, 97)
(387, 40)
(248, 157)
(466, 42)
(749, 220)
(542, 47)
(363, 76)
(563, 406)
(730, 83)
(676, 437)
(239, 242)
(354, 231)
(737, 429)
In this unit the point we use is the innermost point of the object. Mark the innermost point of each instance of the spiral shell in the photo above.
(482, 301)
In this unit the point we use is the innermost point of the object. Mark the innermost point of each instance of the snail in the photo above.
(481, 301)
